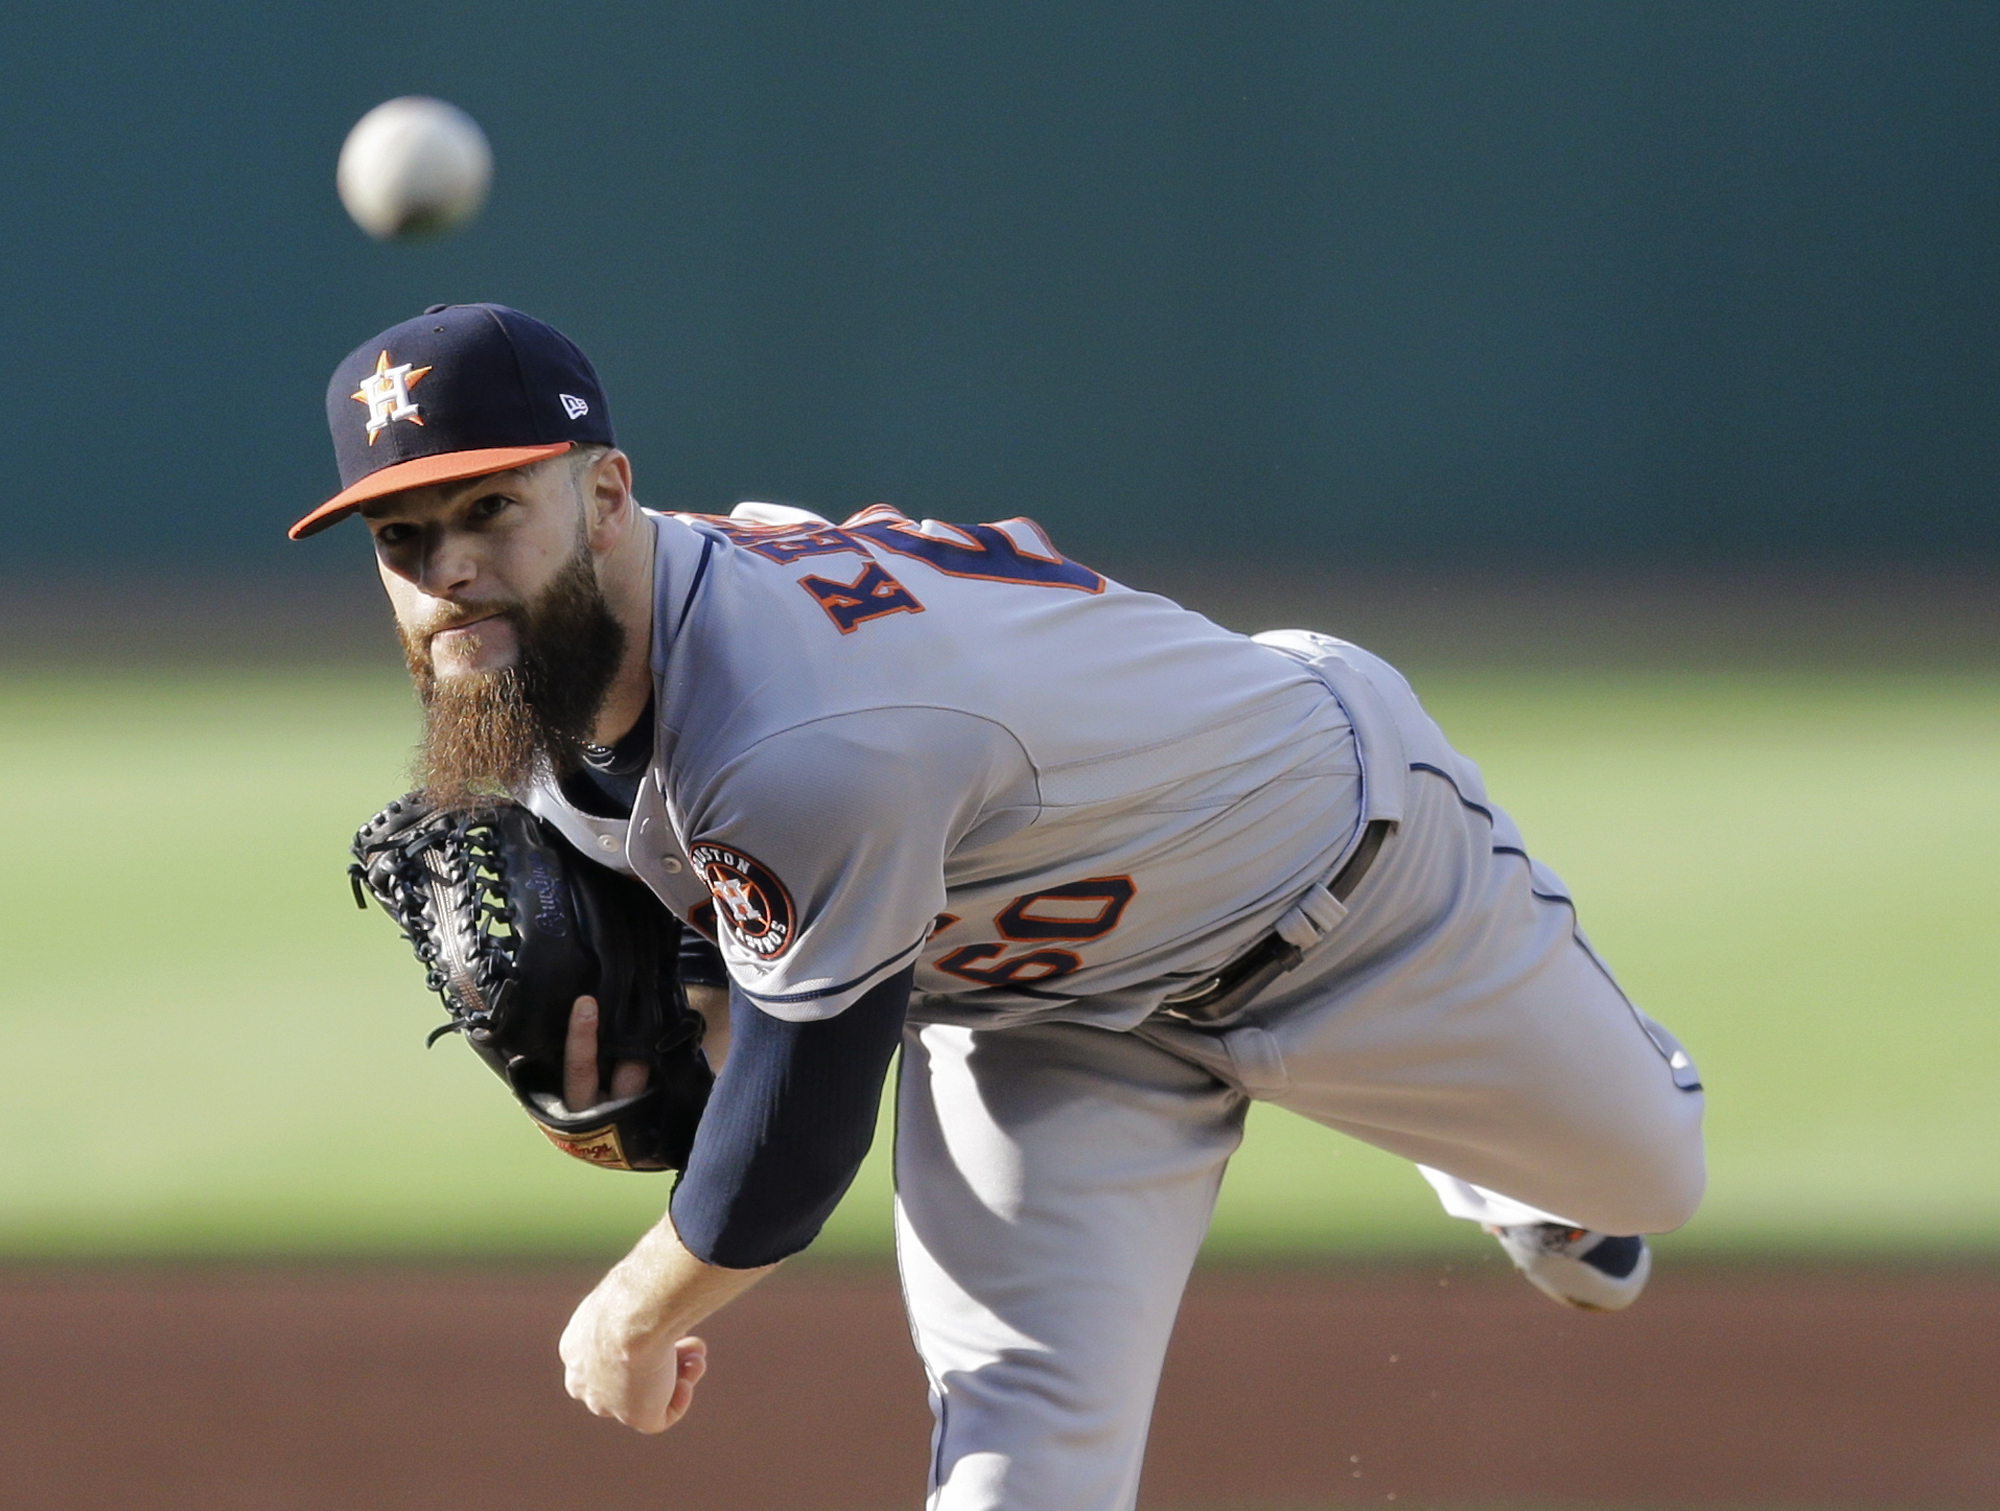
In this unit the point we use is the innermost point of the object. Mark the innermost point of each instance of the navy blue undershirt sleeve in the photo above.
(791, 1117)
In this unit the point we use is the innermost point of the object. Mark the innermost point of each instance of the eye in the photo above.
(393, 533)
(490, 505)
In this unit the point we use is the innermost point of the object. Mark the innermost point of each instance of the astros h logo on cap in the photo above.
(500, 390)
(386, 392)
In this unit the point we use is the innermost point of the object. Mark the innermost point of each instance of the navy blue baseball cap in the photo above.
(458, 392)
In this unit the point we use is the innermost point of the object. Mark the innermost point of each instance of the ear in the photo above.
(609, 508)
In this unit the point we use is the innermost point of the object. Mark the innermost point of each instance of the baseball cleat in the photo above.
(1579, 1268)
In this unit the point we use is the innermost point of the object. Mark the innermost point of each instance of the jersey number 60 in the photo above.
(1077, 911)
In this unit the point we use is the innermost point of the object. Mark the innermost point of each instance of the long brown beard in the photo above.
(488, 735)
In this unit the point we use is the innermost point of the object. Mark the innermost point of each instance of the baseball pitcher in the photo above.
(1103, 871)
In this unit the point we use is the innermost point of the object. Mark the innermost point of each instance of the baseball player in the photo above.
(1104, 871)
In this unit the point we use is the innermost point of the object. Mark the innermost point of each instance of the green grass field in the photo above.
(210, 1050)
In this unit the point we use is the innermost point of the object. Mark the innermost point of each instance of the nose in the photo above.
(448, 566)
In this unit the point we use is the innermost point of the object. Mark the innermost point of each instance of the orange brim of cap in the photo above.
(422, 472)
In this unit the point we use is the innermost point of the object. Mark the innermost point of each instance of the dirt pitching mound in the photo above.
(411, 1389)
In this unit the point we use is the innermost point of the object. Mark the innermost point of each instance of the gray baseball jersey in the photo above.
(888, 742)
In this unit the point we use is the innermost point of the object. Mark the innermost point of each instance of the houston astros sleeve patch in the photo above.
(750, 902)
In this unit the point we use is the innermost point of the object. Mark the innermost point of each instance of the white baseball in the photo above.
(414, 167)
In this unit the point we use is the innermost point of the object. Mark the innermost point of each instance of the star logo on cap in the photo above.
(386, 392)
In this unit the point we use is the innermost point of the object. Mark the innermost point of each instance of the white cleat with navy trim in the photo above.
(1576, 1266)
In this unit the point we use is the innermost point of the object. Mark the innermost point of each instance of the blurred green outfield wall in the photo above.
(1402, 280)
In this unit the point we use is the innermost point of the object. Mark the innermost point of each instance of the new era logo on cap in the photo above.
(500, 390)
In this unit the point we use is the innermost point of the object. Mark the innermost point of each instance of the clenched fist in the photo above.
(613, 1367)
(627, 1352)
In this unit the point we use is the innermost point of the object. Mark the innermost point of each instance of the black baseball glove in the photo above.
(513, 925)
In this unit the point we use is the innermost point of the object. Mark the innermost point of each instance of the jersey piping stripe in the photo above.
(833, 991)
(1517, 850)
(1545, 896)
(694, 582)
(1485, 813)
(1555, 897)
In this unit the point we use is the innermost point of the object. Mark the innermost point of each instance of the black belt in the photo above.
(1270, 957)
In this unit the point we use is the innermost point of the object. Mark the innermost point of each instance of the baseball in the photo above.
(414, 167)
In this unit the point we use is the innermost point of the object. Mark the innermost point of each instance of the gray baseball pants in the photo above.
(1054, 1181)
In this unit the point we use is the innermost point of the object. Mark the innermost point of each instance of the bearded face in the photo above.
(488, 734)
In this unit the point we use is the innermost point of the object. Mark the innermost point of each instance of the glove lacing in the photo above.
(426, 887)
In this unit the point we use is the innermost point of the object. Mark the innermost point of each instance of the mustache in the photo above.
(457, 616)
